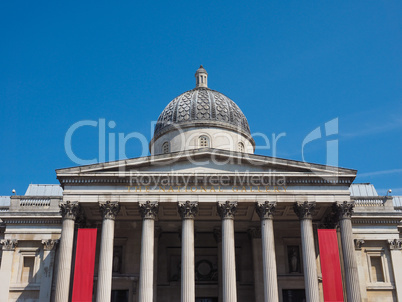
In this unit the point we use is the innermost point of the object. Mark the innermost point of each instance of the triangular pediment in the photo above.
(208, 161)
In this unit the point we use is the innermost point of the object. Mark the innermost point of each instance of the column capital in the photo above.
(265, 210)
(304, 210)
(254, 233)
(188, 209)
(149, 210)
(109, 209)
(359, 243)
(9, 244)
(69, 210)
(49, 244)
(395, 244)
(227, 210)
(218, 235)
(344, 209)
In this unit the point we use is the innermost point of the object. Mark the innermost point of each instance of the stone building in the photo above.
(203, 219)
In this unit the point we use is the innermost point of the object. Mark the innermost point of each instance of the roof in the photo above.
(397, 202)
(44, 190)
(4, 201)
(364, 189)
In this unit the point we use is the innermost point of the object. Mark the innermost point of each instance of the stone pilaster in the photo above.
(69, 211)
(395, 247)
(304, 210)
(8, 246)
(266, 212)
(49, 246)
(345, 211)
(187, 211)
(109, 211)
(148, 211)
(227, 211)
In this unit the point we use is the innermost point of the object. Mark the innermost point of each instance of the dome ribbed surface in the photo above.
(202, 105)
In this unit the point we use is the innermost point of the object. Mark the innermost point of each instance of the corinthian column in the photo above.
(108, 210)
(187, 211)
(69, 211)
(148, 211)
(8, 246)
(226, 211)
(266, 213)
(304, 211)
(345, 211)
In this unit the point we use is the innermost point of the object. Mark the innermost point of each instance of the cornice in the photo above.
(273, 178)
(31, 220)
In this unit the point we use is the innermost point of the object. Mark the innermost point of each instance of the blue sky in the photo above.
(291, 66)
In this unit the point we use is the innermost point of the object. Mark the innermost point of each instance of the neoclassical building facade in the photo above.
(202, 219)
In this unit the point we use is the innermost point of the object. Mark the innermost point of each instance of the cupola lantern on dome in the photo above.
(201, 113)
(201, 77)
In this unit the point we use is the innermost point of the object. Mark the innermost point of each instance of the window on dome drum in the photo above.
(204, 141)
(240, 147)
(165, 147)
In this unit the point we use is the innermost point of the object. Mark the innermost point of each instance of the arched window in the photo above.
(240, 147)
(165, 147)
(204, 141)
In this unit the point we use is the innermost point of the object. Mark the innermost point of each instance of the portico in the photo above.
(188, 262)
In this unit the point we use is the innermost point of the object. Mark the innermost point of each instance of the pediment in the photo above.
(207, 162)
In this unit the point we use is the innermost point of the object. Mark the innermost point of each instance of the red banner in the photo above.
(330, 266)
(84, 265)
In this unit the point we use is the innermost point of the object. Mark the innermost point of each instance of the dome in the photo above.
(202, 105)
(201, 110)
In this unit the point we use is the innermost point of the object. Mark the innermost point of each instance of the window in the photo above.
(377, 266)
(27, 269)
(240, 147)
(377, 273)
(204, 141)
(165, 147)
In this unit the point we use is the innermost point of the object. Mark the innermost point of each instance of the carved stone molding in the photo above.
(188, 210)
(265, 210)
(304, 210)
(330, 221)
(148, 210)
(344, 209)
(227, 210)
(9, 244)
(359, 243)
(395, 244)
(69, 210)
(109, 209)
(254, 233)
(49, 244)
(218, 235)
